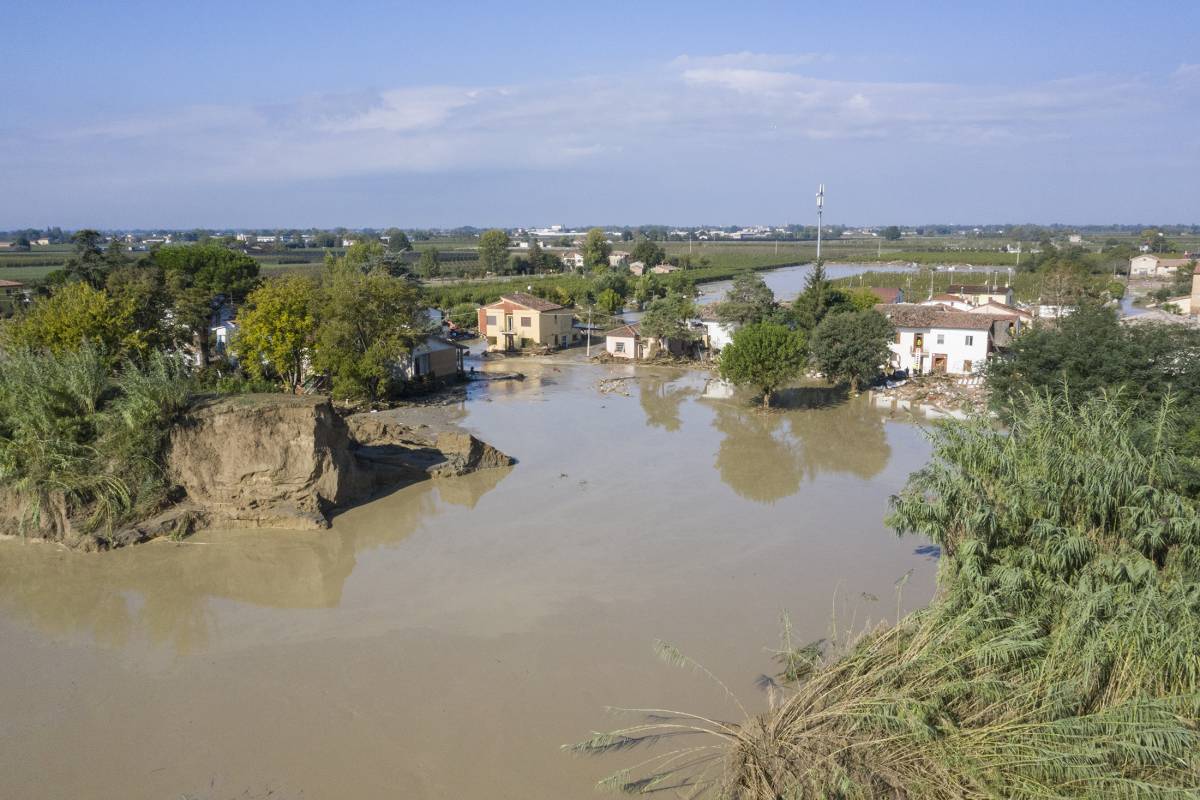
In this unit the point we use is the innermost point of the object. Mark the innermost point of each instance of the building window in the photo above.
(970, 341)
(620, 348)
(897, 337)
(491, 319)
(941, 338)
(967, 364)
(526, 322)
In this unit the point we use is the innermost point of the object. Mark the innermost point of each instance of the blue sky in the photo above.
(297, 114)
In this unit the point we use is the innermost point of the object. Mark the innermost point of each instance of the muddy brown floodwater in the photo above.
(443, 641)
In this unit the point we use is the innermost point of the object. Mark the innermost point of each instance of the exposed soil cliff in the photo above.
(278, 461)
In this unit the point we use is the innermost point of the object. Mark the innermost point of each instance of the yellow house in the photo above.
(521, 320)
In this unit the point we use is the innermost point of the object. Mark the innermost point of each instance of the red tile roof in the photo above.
(907, 315)
(527, 300)
(887, 294)
(631, 331)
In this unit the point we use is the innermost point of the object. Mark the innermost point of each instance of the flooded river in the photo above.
(443, 641)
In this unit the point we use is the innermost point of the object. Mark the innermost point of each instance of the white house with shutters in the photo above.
(935, 339)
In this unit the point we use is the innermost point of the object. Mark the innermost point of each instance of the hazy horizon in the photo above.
(302, 115)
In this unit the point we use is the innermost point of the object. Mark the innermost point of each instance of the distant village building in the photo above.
(520, 320)
(979, 294)
(951, 301)
(433, 358)
(1001, 309)
(717, 334)
(42, 242)
(625, 342)
(664, 269)
(618, 259)
(11, 288)
(1149, 265)
(933, 339)
(573, 259)
(637, 267)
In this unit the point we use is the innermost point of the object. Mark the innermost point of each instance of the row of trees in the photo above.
(836, 330)
(353, 324)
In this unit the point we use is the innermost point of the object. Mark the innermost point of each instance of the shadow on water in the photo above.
(930, 551)
(810, 397)
(162, 589)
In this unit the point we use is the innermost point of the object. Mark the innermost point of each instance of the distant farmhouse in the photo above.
(978, 295)
(1149, 265)
(522, 320)
(938, 339)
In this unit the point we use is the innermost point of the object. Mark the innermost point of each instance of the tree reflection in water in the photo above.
(161, 590)
(660, 398)
(766, 456)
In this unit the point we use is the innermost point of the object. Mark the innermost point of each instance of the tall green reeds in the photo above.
(83, 442)
(1060, 659)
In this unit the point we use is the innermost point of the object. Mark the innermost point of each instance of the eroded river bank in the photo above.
(444, 640)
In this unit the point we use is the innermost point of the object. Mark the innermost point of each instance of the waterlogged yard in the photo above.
(443, 641)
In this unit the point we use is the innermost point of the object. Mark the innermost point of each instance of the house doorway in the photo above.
(939, 365)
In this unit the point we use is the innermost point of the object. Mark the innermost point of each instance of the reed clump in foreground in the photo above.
(81, 441)
(1060, 658)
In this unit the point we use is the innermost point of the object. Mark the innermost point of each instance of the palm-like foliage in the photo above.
(82, 444)
(1061, 658)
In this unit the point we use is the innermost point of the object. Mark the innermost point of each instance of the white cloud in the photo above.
(693, 106)
(748, 60)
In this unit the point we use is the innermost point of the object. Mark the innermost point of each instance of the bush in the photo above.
(78, 438)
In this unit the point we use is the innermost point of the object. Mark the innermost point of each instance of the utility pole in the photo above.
(589, 333)
(820, 211)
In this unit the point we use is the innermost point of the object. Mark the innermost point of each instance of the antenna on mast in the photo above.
(820, 211)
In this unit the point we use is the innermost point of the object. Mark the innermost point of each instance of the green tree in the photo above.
(891, 233)
(607, 279)
(365, 254)
(430, 263)
(397, 240)
(211, 268)
(765, 356)
(749, 300)
(114, 254)
(276, 329)
(667, 319)
(596, 249)
(852, 347)
(609, 302)
(87, 263)
(74, 316)
(368, 321)
(857, 299)
(464, 315)
(647, 288)
(648, 252)
(540, 260)
(140, 287)
(818, 299)
(493, 250)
